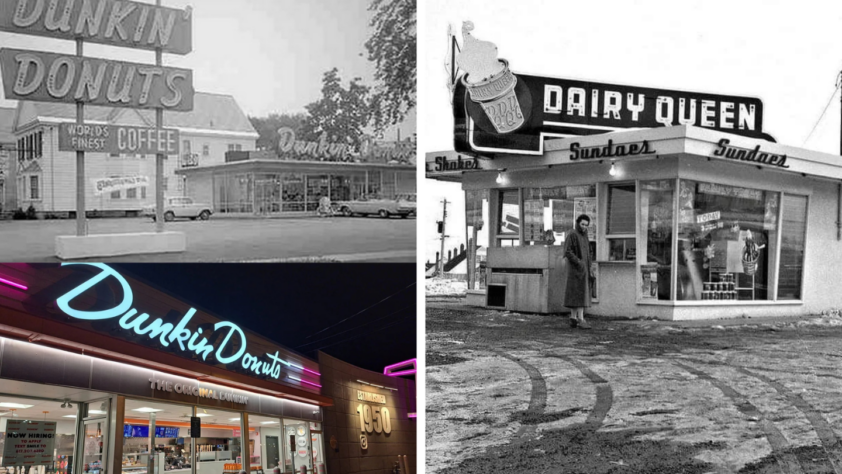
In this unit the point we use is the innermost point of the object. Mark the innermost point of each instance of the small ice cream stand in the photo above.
(695, 212)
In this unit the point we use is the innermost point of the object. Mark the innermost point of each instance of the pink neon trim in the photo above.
(412, 415)
(312, 372)
(405, 372)
(304, 381)
(11, 283)
(412, 361)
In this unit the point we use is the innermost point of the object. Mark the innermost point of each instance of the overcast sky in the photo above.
(786, 53)
(269, 54)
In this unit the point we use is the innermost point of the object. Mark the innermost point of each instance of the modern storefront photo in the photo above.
(115, 376)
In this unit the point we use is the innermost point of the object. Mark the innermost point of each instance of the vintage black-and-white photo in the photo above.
(632, 236)
(209, 131)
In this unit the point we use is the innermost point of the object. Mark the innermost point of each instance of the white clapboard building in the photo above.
(46, 177)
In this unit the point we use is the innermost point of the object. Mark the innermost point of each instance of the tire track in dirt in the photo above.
(604, 393)
(781, 448)
(537, 398)
(830, 441)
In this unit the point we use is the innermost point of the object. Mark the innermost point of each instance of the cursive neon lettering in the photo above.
(180, 333)
(64, 301)
(234, 327)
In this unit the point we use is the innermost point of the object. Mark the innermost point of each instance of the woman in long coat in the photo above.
(577, 296)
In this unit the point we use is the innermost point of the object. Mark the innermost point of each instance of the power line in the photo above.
(376, 330)
(822, 115)
(360, 312)
(355, 327)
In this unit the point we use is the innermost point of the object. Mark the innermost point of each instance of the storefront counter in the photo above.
(528, 278)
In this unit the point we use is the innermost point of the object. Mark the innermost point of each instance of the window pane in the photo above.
(724, 241)
(508, 213)
(793, 230)
(131, 193)
(51, 415)
(622, 249)
(656, 204)
(621, 212)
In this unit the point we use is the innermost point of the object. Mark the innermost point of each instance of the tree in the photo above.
(341, 113)
(392, 49)
(267, 128)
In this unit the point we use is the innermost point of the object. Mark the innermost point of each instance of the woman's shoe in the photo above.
(573, 322)
(584, 325)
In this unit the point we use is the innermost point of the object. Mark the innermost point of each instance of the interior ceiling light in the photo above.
(268, 422)
(234, 419)
(147, 409)
(69, 416)
(96, 412)
(15, 405)
(205, 414)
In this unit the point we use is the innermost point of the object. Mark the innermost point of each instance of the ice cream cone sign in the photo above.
(489, 81)
(751, 254)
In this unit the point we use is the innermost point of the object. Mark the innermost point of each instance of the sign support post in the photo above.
(81, 218)
(159, 157)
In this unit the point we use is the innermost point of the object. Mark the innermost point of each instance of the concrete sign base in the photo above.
(109, 245)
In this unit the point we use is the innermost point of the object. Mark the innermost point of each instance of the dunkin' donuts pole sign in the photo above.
(112, 22)
(50, 77)
(498, 111)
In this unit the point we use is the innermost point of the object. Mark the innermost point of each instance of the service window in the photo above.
(508, 218)
(656, 228)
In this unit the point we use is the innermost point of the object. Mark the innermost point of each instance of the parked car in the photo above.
(181, 207)
(398, 206)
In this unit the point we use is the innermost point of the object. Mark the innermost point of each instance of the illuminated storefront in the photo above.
(114, 367)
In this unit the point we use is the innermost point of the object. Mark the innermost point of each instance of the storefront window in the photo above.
(725, 239)
(265, 442)
(297, 445)
(169, 441)
(317, 186)
(621, 223)
(292, 186)
(549, 214)
(656, 222)
(18, 414)
(793, 232)
(220, 441)
(374, 185)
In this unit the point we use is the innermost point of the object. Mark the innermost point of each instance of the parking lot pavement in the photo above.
(230, 240)
(512, 392)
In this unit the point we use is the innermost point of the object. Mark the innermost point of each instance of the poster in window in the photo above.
(562, 215)
(533, 216)
(649, 281)
(685, 202)
(587, 206)
(770, 215)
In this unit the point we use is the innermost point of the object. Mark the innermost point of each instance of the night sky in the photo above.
(302, 306)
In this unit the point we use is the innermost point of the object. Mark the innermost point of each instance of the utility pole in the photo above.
(443, 236)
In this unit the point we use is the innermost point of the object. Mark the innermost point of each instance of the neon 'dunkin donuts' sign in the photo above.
(231, 352)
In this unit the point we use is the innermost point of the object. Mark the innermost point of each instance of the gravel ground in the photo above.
(512, 392)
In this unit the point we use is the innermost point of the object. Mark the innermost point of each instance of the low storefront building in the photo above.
(686, 223)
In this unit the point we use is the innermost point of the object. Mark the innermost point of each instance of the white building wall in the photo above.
(58, 176)
(618, 281)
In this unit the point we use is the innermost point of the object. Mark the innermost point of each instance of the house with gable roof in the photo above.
(46, 177)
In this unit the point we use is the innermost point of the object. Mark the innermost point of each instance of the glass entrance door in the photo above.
(93, 448)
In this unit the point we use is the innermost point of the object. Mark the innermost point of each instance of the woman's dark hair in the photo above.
(583, 217)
